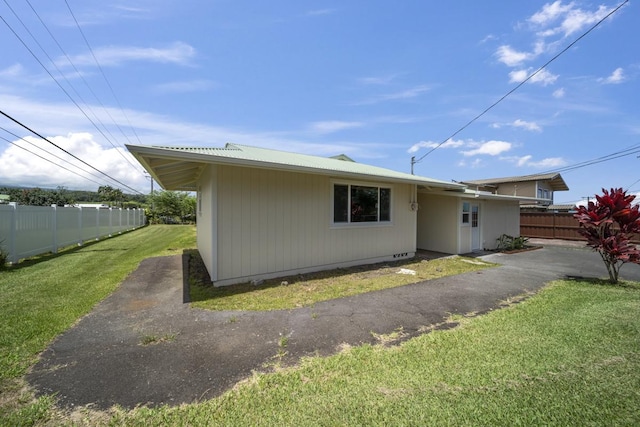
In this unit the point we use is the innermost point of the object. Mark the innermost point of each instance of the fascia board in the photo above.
(139, 153)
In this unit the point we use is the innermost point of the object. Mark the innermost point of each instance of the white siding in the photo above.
(206, 218)
(273, 223)
(499, 217)
(438, 223)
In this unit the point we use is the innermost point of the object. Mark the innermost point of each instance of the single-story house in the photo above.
(540, 186)
(265, 213)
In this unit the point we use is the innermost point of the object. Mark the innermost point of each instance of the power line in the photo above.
(66, 79)
(518, 86)
(67, 152)
(48, 153)
(84, 81)
(622, 153)
(104, 76)
(57, 82)
(48, 160)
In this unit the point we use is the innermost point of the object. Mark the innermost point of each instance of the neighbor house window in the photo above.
(466, 208)
(361, 203)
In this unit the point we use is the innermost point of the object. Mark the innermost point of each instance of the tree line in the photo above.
(167, 207)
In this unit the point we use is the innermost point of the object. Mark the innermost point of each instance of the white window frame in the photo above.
(349, 184)
(464, 223)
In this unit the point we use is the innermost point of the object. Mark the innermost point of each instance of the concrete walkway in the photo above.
(199, 354)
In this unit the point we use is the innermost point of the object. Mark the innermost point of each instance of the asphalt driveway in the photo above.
(192, 354)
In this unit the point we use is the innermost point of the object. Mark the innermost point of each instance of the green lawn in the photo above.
(566, 356)
(43, 297)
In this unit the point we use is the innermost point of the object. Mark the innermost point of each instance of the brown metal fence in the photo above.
(552, 225)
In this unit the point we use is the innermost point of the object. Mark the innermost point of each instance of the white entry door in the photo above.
(475, 227)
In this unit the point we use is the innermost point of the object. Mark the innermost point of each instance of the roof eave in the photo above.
(143, 153)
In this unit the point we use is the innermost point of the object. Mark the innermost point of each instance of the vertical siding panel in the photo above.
(274, 221)
(312, 229)
(323, 220)
(296, 238)
(224, 226)
(286, 221)
(261, 211)
(271, 198)
(258, 259)
(280, 219)
(242, 225)
(246, 227)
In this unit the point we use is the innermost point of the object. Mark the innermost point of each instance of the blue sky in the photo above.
(378, 81)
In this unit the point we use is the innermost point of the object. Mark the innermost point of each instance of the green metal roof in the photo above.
(177, 168)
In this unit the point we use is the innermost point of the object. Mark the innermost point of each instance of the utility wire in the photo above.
(68, 82)
(84, 81)
(102, 71)
(486, 110)
(48, 160)
(57, 82)
(68, 153)
(48, 152)
(622, 153)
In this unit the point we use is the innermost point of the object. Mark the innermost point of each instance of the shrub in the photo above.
(608, 225)
(510, 243)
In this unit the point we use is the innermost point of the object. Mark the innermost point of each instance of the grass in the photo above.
(44, 296)
(308, 289)
(567, 356)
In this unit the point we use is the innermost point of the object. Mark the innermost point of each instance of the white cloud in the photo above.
(333, 126)
(550, 13)
(548, 26)
(377, 80)
(526, 161)
(511, 57)
(578, 19)
(177, 53)
(562, 19)
(518, 123)
(430, 144)
(530, 126)
(21, 167)
(559, 93)
(16, 70)
(488, 38)
(490, 148)
(615, 78)
(543, 77)
(186, 86)
(405, 94)
(476, 163)
(152, 129)
(549, 162)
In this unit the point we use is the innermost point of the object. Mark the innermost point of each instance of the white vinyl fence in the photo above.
(33, 230)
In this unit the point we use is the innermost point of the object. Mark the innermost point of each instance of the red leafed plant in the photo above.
(608, 225)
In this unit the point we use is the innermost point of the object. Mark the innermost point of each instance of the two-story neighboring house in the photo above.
(540, 186)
